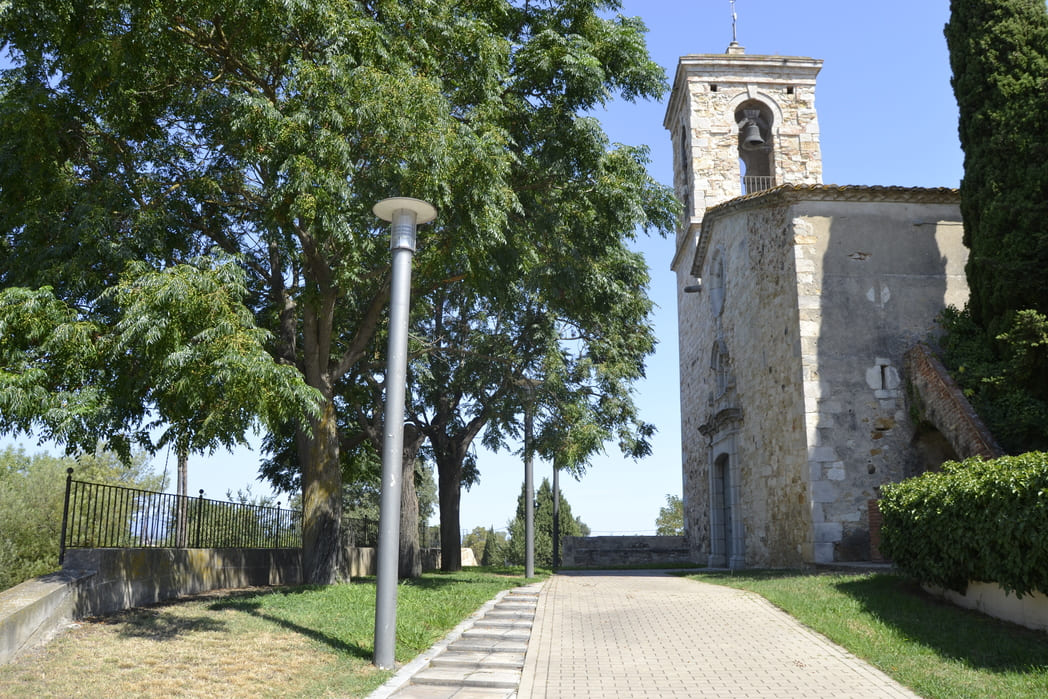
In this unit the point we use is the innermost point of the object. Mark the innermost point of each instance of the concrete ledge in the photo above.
(1031, 611)
(32, 611)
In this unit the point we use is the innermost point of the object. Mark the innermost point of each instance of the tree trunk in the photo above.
(322, 549)
(449, 488)
(410, 562)
(182, 513)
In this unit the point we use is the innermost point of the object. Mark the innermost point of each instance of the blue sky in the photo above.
(887, 117)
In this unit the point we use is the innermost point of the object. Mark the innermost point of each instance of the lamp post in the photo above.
(529, 475)
(556, 513)
(404, 214)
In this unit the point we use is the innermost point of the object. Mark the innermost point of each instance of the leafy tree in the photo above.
(670, 521)
(569, 526)
(475, 539)
(139, 133)
(588, 343)
(31, 501)
(998, 346)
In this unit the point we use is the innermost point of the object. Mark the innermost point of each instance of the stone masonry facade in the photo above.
(796, 305)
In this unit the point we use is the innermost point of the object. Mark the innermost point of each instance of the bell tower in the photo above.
(739, 124)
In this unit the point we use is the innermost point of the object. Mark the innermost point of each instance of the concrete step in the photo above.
(497, 634)
(445, 677)
(477, 659)
(486, 623)
(489, 645)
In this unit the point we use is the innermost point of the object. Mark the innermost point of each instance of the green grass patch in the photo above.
(304, 641)
(937, 649)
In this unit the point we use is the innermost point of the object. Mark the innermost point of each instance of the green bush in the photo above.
(973, 521)
(1005, 377)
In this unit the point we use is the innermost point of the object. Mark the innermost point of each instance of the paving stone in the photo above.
(646, 634)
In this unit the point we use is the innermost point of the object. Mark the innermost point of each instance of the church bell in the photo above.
(751, 135)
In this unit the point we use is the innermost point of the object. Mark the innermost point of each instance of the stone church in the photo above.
(797, 302)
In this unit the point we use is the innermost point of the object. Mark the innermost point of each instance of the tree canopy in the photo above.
(138, 137)
(670, 521)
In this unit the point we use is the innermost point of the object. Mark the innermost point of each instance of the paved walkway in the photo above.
(647, 634)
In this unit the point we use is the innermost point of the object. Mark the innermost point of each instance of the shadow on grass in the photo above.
(156, 625)
(254, 608)
(959, 634)
(971, 638)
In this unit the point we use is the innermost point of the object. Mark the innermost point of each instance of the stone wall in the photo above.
(792, 357)
(618, 551)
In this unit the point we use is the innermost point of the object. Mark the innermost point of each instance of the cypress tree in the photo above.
(997, 348)
(999, 56)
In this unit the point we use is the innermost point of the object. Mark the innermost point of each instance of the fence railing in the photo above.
(756, 183)
(361, 531)
(112, 516)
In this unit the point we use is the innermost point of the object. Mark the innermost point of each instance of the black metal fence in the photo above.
(112, 516)
(361, 531)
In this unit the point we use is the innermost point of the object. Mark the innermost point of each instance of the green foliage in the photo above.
(184, 351)
(1004, 377)
(999, 56)
(670, 521)
(494, 546)
(269, 131)
(999, 345)
(32, 489)
(569, 526)
(975, 520)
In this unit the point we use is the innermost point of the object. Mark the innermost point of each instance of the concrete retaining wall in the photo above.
(1031, 611)
(615, 551)
(124, 578)
(31, 612)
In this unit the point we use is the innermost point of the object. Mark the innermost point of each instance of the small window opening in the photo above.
(789, 90)
(713, 87)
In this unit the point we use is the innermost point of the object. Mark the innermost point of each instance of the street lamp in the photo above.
(556, 513)
(529, 386)
(404, 214)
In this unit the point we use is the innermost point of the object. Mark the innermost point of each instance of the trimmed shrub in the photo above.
(973, 521)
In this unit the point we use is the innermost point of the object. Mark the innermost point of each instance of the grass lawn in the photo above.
(938, 650)
(287, 642)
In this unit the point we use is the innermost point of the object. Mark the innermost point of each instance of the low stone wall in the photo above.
(118, 579)
(1031, 611)
(617, 551)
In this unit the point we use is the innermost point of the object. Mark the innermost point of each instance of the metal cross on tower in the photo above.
(734, 19)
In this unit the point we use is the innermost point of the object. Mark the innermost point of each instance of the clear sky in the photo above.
(887, 117)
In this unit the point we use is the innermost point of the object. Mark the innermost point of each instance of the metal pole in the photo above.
(65, 516)
(529, 492)
(404, 214)
(556, 513)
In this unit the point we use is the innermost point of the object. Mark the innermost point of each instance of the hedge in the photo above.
(973, 521)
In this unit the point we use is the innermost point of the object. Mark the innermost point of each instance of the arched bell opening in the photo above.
(756, 146)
